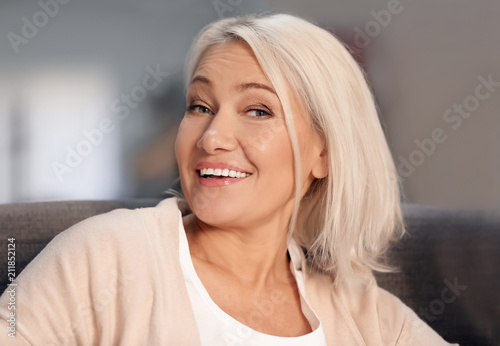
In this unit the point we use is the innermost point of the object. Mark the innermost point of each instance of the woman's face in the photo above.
(233, 150)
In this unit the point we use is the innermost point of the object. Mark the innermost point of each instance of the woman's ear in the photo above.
(320, 167)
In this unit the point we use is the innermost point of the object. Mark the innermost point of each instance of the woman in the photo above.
(290, 200)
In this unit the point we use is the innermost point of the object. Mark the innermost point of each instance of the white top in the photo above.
(216, 327)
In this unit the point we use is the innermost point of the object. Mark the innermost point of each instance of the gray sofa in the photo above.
(449, 260)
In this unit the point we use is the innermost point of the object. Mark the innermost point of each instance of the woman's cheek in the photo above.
(182, 143)
(265, 139)
(188, 132)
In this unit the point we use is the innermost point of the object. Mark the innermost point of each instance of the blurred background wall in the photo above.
(91, 91)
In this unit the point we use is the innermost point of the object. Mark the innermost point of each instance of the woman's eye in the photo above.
(258, 113)
(199, 109)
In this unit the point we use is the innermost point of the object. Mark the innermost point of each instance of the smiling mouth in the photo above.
(218, 173)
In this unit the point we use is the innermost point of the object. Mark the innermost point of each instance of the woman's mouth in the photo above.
(218, 177)
(219, 173)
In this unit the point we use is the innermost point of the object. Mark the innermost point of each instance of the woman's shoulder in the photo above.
(367, 313)
(119, 238)
(98, 276)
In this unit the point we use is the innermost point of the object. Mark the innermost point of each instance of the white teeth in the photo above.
(223, 172)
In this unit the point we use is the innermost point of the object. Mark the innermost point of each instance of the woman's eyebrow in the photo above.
(241, 88)
(246, 86)
(202, 79)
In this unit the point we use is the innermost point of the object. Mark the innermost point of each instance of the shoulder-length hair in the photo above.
(346, 220)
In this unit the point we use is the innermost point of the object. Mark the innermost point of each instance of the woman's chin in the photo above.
(217, 214)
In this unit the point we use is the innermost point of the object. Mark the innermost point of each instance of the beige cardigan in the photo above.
(116, 279)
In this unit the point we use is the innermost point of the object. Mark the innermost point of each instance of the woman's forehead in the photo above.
(235, 56)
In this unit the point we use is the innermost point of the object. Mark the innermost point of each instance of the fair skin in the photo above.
(237, 231)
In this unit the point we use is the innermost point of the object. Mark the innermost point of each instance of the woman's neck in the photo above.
(256, 257)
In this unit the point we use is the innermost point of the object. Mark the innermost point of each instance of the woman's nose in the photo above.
(219, 134)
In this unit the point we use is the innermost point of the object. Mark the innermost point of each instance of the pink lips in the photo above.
(217, 182)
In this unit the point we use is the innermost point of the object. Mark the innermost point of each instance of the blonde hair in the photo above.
(347, 219)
